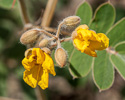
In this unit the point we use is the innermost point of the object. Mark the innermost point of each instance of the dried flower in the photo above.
(38, 65)
(88, 41)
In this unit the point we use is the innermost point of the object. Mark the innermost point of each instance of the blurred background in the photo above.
(61, 87)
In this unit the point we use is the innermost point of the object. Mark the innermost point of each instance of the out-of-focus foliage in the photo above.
(79, 64)
(7, 4)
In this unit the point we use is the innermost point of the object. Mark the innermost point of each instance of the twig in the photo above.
(48, 14)
(23, 11)
(40, 94)
(62, 40)
(47, 33)
(59, 28)
(55, 30)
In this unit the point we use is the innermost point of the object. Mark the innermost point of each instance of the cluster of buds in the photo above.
(40, 38)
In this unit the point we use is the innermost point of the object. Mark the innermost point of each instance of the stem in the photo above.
(62, 40)
(59, 28)
(55, 30)
(23, 11)
(47, 33)
(48, 14)
(109, 50)
(40, 94)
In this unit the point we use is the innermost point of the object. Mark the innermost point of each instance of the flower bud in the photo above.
(60, 57)
(44, 43)
(28, 52)
(29, 37)
(46, 50)
(72, 21)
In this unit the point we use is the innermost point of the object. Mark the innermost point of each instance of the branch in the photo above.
(55, 30)
(23, 11)
(48, 14)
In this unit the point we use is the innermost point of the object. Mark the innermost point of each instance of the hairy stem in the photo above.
(47, 33)
(23, 11)
(48, 14)
(60, 41)
(59, 28)
(55, 30)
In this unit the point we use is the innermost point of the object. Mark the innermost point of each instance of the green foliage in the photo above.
(7, 4)
(104, 18)
(102, 66)
(80, 64)
(118, 59)
(116, 33)
(84, 11)
(103, 71)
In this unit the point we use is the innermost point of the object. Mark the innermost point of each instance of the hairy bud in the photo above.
(60, 57)
(29, 37)
(72, 21)
(44, 43)
(28, 52)
(46, 50)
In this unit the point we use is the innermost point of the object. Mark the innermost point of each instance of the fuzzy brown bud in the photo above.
(60, 57)
(29, 37)
(44, 43)
(72, 21)
(46, 50)
(28, 52)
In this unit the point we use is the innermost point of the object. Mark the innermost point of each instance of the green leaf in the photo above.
(118, 60)
(120, 47)
(7, 4)
(103, 71)
(104, 18)
(117, 33)
(84, 11)
(80, 63)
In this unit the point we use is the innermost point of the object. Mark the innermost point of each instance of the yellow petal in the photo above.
(104, 39)
(82, 27)
(80, 45)
(43, 78)
(27, 65)
(48, 64)
(31, 58)
(31, 77)
(40, 55)
(100, 45)
(90, 52)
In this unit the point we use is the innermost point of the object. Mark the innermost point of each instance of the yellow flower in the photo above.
(88, 41)
(38, 65)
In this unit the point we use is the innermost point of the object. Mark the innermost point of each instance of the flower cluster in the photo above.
(37, 61)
